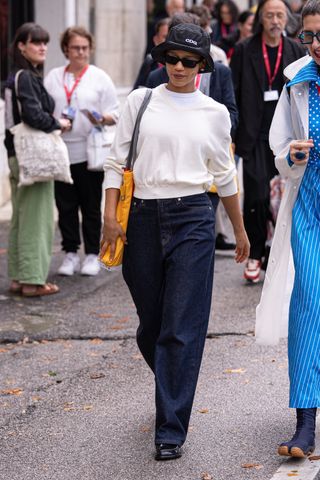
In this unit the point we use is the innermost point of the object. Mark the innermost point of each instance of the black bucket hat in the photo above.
(190, 38)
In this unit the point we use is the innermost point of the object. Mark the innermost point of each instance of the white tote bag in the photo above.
(98, 146)
(41, 156)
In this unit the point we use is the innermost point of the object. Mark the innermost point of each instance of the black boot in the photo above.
(303, 441)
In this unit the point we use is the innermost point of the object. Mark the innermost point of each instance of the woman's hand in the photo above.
(300, 147)
(242, 246)
(110, 232)
(65, 124)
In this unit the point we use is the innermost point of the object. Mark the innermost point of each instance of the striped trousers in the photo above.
(304, 315)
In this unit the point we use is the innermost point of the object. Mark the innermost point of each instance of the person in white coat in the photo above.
(295, 141)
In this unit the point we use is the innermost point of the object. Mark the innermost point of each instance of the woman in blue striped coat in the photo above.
(295, 140)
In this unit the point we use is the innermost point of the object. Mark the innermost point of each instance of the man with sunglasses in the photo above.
(257, 65)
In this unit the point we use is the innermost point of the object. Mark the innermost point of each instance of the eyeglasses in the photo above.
(186, 62)
(77, 48)
(306, 37)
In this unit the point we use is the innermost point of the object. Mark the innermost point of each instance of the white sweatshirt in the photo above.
(183, 146)
(95, 91)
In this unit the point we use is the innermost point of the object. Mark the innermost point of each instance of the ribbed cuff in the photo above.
(113, 179)
(229, 189)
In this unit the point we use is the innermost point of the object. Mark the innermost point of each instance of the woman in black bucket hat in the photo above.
(184, 145)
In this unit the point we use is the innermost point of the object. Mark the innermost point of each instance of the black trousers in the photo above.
(85, 195)
(258, 170)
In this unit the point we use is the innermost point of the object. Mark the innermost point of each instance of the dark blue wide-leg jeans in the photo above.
(168, 267)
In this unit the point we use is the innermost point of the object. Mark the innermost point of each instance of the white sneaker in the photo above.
(70, 264)
(91, 265)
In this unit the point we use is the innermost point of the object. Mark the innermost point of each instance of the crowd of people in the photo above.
(224, 85)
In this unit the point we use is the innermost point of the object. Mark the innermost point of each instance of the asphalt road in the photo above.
(77, 400)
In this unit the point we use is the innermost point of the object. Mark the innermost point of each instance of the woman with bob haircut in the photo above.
(32, 223)
(86, 95)
(295, 141)
(184, 145)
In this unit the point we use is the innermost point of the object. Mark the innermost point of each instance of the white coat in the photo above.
(290, 122)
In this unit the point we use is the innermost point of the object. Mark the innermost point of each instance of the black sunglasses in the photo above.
(186, 62)
(306, 37)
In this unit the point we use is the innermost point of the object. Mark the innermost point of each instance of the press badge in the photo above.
(69, 113)
(271, 95)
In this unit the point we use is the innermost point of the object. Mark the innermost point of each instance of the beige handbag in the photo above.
(41, 156)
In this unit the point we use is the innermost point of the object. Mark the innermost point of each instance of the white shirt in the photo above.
(183, 146)
(95, 91)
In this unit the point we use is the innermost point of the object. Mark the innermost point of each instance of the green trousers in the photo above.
(31, 230)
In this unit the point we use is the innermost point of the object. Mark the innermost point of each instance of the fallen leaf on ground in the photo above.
(88, 407)
(257, 466)
(138, 356)
(101, 315)
(68, 406)
(3, 350)
(51, 373)
(116, 327)
(12, 391)
(203, 410)
(94, 354)
(95, 376)
(206, 476)
(113, 365)
(144, 429)
(235, 370)
(292, 474)
(96, 341)
(123, 320)
(314, 457)
(36, 399)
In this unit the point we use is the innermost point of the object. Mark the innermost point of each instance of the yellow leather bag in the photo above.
(126, 190)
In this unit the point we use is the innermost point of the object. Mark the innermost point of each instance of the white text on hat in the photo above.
(189, 40)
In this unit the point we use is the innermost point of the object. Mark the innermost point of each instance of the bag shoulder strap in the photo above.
(134, 140)
(16, 79)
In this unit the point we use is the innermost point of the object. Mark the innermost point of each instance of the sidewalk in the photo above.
(77, 400)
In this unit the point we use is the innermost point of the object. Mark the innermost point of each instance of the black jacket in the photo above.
(221, 88)
(248, 73)
(36, 105)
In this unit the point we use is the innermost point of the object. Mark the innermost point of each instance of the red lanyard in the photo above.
(267, 62)
(318, 88)
(197, 81)
(224, 31)
(76, 83)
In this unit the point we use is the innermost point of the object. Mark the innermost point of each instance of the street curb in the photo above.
(300, 469)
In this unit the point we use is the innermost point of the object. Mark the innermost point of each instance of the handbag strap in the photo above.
(134, 140)
(16, 79)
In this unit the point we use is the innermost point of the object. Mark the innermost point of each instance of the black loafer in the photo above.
(166, 451)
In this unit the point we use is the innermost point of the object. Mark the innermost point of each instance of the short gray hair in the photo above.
(312, 7)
